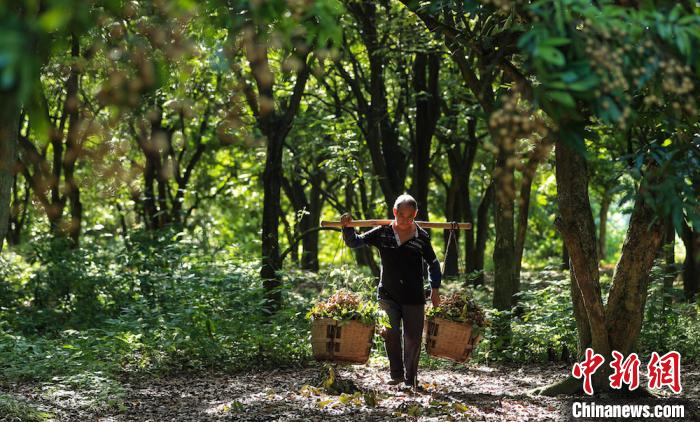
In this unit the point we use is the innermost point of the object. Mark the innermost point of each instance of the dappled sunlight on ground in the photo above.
(458, 392)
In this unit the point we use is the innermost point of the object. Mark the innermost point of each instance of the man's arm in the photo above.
(434, 273)
(352, 239)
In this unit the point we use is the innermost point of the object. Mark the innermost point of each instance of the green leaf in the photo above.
(38, 115)
(526, 39)
(682, 42)
(550, 55)
(675, 13)
(55, 18)
(556, 41)
(562, 97)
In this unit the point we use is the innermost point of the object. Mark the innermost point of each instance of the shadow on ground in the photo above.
(472, 392)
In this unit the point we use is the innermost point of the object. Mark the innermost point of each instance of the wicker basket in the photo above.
(449, 339)
(341, 341)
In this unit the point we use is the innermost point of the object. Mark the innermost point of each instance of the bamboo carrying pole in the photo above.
(373, 223)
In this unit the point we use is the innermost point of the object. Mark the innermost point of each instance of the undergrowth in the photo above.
(77, 320)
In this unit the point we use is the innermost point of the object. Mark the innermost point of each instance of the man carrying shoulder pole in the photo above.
(405, 249)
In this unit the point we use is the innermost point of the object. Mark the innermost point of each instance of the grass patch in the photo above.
(13, 409)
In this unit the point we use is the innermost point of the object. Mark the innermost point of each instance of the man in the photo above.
(405, 250)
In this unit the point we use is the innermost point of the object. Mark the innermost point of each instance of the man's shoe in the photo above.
(410, 383)
(395, 381)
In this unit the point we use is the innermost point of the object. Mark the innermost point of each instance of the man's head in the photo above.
(405, 210)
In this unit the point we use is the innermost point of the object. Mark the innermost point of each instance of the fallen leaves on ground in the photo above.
(464, 392)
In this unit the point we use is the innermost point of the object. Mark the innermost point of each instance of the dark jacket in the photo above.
(403, 266)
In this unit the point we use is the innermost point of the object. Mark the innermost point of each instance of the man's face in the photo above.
(404, 216)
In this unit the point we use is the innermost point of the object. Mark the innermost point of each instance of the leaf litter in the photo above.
(320, 392)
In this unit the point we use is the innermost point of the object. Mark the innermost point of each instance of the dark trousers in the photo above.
(405, 366)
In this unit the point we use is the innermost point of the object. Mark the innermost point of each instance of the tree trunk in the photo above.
(161, 136)
(628, 294)
(617, 326)
(275, 126)
(578, 230)
(669, 257)
(291, 235)
(18, 212)
(272, 176)
(294, 189)
(426, 88)
(454, 207)
(150, 210)
(602, 224)
(504, 248)
(564, 256)
(691, 265)
(453, 212)
(309, 258)
(482, 233)
(523, 214)
(72, 191)
(460, 157)
(469, 235)
(9, 132)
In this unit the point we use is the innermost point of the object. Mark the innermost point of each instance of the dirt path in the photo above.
(459, 393)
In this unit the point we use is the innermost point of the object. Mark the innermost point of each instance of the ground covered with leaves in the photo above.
(457, 392)
(177, 335)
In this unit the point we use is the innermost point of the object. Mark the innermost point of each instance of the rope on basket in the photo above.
(454, 226)
(331, 330)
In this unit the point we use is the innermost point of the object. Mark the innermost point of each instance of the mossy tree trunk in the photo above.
(617, 325)
(9, 132)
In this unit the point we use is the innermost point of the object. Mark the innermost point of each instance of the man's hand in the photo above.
(345, 219)
(435, 297)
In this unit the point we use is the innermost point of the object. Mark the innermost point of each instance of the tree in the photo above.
(274, 112)
(19, 210)
(378, 122)
(472, 46)
(9, 131)
(52, 177)
(426, 77)
(618, 91)
(173, 142)
(566, 47)
(26, 43)
(691, 265)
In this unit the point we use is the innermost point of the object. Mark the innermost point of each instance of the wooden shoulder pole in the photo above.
(373, 223)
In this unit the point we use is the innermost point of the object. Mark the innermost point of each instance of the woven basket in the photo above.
(341, 341)
(449, 339)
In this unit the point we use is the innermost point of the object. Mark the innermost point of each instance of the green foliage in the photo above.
(189, 298)
(670, 323)
(635, 71)
(345, 306)
(674, 166)
(13, 409)
(544, 327)
(460, 307)
(163, 310)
